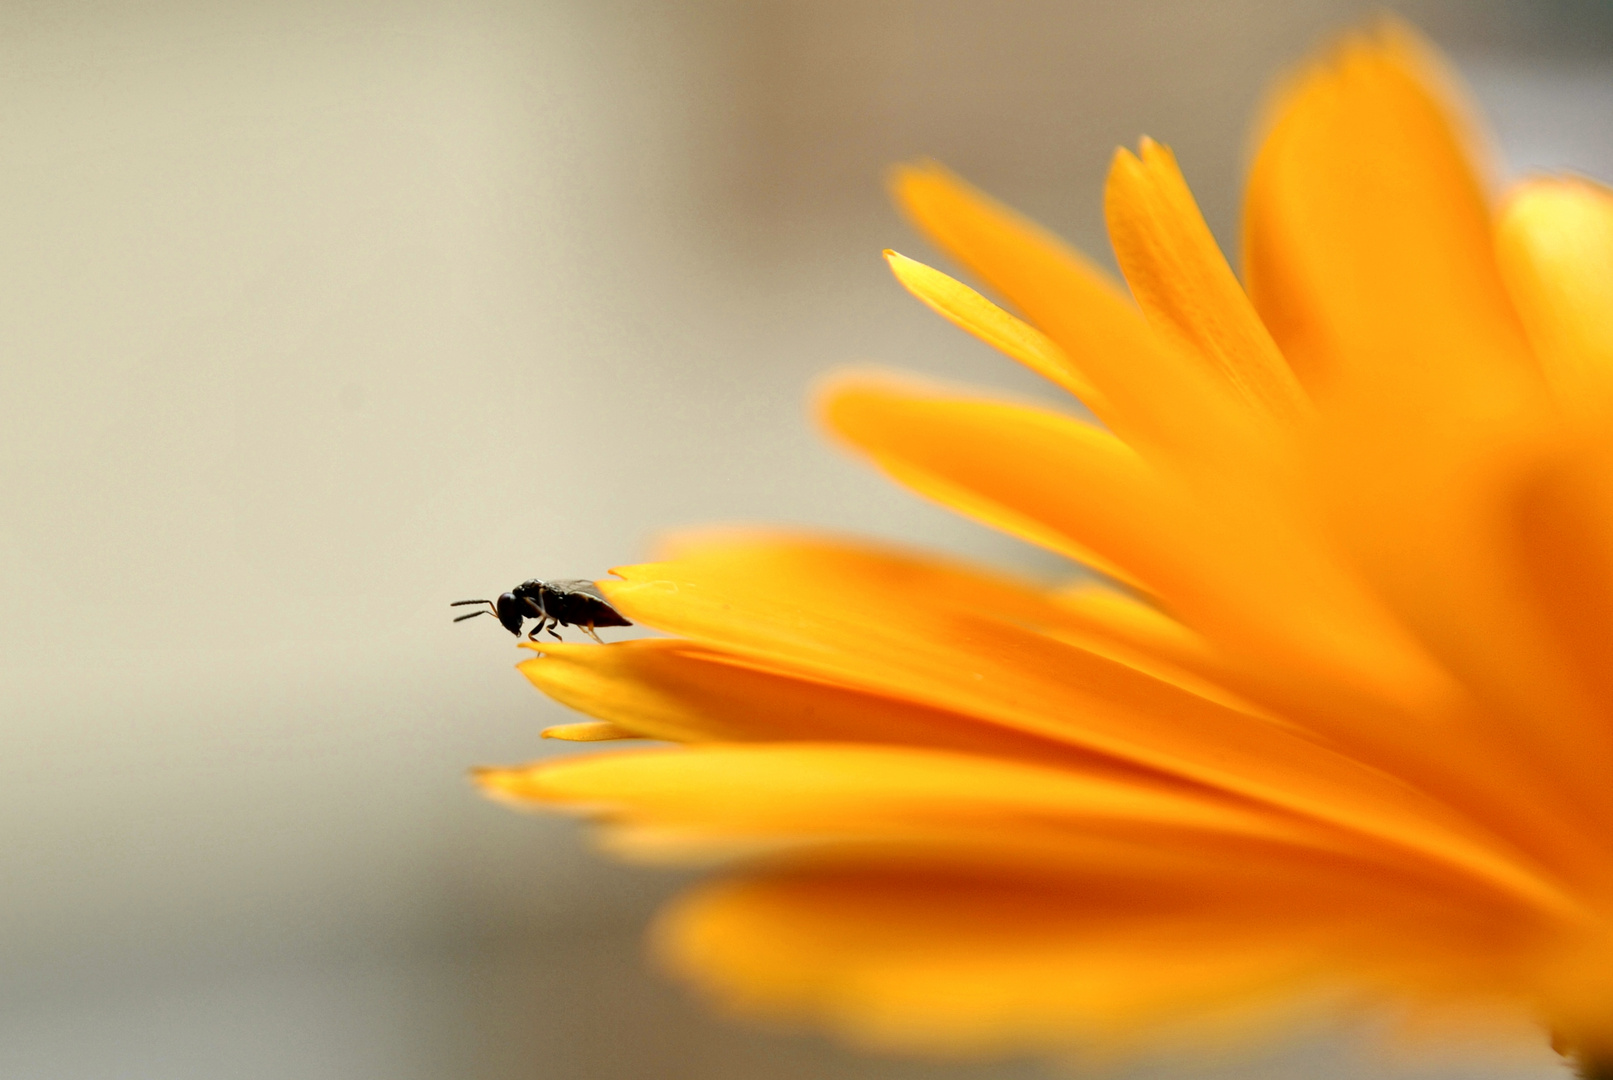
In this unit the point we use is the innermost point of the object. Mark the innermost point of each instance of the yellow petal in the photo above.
(972, 966)
(836, 790)
(964, 809)
(680, 691)
(594, 731)
(965, 308)
(1555, 244)
(1153, 397)
(1184, 285)
(953, 639)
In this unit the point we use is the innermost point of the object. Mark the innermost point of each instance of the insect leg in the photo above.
(588, 628)
(538, 614)
(552, 633)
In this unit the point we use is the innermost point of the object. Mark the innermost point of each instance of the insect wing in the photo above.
(576, 585)
(584, 604)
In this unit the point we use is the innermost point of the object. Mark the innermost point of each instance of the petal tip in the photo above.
(589, 731)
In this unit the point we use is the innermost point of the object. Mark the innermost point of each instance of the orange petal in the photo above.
(973, 966)
(1088, 495)
(1367, 237)
(965, 308)
(1371, 258)
(1241, 571)
(1126, 619)
(1107, 621)
(1563, 529)
(1292, 629)
(1555, 245)
(1184, 285)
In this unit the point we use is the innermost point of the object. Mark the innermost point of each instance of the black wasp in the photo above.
(552, 603)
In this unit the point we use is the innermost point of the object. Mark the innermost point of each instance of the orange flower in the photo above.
(1343, 730)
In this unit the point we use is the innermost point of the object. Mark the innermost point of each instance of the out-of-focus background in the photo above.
(317, 316)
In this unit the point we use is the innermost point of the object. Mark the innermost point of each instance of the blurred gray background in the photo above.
(316, 316)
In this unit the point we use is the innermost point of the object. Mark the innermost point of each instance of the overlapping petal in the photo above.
(1254, 578)
(968, 642)
(1156, 399)
(685, 692)
(843, 791)
(1295, 629)
(1368, 232)
(963, 307)
(1179, 276)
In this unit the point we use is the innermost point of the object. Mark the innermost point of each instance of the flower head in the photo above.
(1340, 730)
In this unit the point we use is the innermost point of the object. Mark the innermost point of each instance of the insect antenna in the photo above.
(491, 608)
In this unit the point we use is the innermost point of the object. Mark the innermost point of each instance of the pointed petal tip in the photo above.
(902, 266)
(589, 731)
(1180, 278)
(1125, 170)
(970, 311)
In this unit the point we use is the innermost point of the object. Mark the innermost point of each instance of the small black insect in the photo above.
(552, 603)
